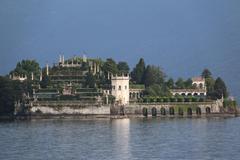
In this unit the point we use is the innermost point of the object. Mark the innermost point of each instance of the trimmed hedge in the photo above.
(172, 99)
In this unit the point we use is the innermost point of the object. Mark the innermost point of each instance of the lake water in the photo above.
(176, 138)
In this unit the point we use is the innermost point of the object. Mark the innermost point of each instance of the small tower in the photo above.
(120, 88)
(32, 76)
(47, 69)
(41, 75)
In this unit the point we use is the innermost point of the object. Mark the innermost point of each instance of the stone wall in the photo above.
(58, 108)
(137, 109)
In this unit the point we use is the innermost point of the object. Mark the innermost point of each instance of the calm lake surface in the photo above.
(176, 138)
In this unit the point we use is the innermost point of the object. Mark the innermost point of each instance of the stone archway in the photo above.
(189, 111)
(145, 112)
(198, 111)
(195, 94)
(154, 112)
(180, 111)
(163, 111)
(171, 111)
(208, 110)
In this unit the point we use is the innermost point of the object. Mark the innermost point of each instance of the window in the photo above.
(113, 87)
(119, 87)
(125, 87)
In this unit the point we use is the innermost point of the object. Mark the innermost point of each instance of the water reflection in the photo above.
(121, 132)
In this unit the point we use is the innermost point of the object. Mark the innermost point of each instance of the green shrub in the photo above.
(194, 99)
(173, 99)
(159, 99)
(180, 99)
(165, 99)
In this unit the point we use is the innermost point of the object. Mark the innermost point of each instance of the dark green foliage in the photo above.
(123, 67)
(188, 83)
(153, 75)
(220, 88)
(206, 73)
(90, 80)
(11, 91)
(157, 90)
(45, 82)
(170, 83)
(210, 82)
(7, 97)
(27, 67)
(110, 66)
(138, 72)
(180, 84)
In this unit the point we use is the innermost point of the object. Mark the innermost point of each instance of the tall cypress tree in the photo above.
(138, 72)
(220, 88)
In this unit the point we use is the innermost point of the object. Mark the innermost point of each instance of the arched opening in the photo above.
(163, 111)
(202, 94)
(189, 94)
(195, 94)
(145, 112)
(130, 95)
(189, 111)
(208, 110)
(171, 111)
(180, 111)
(183, 94)
(133, 95)
(154, 112)
(198, 111)
(201, 85)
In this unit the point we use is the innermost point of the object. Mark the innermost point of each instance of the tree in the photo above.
(153, 75)
(138, 72)
(210, 82)
(220, 88)
(27, 67)
(90, 80)
(180, 83)
(206, 73)
(123, 67)
(188, 83)
(45, 82)
(170, 83)
(110, 66)
(157, 90)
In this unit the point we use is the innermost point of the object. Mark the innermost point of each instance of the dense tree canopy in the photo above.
(11, 91)
(138, 72)
(206, 73)
(123, 67)
(170, 83)
(220, 88)
(110, 66)
(27, 67)
(153, 75)
(157, 90)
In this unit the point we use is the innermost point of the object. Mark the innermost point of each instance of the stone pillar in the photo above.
(47, 71)
(40, 75)
(32, 76)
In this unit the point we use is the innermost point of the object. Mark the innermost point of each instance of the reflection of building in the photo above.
(120, 88)
(199, 88)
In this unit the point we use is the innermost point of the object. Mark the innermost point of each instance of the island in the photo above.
(80, 86)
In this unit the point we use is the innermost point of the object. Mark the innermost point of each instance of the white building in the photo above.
(199, 89)
(120, 88)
